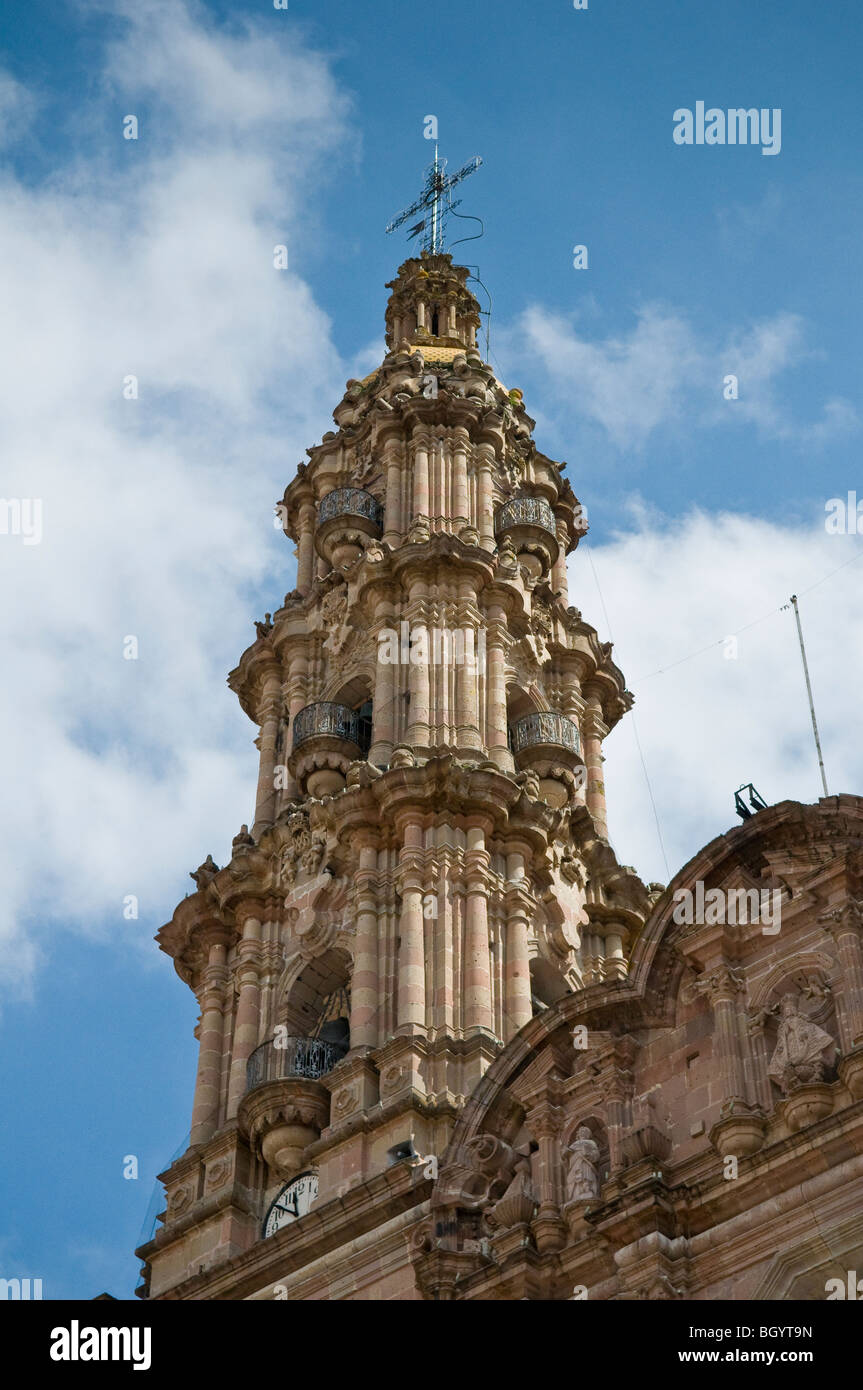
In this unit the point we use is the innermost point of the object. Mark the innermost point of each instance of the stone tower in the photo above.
(428, 866)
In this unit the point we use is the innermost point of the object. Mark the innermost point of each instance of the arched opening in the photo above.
(356, 694)
(318, 1003)
(435, 322)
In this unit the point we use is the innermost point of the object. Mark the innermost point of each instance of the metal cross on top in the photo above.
(435, 202)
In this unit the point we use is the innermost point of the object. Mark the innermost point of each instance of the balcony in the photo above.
(285, 1106)
(327, 738)
(549, 745)
(545, 728)
(530, 525)
(350, 501)
(336, 721)
(307, 1059)
(347, 518)
(525, 511)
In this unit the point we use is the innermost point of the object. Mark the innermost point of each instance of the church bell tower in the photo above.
(428, 865)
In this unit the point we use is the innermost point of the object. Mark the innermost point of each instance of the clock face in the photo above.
(292, 1202)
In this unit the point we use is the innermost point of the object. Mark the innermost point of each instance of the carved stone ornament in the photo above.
(803, 1051)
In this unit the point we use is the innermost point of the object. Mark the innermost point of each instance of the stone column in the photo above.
(844, 924)
(386, 692)
(205, 1111)
(477, 960)
(418, 713)
(421, 444)
(411, 1013)
(758, 1052)
(306, 547)
(297, 690)
(248, 1011)
(365, 999)
(544, 1123)
(559, 581)
(496, 733)
(485, 495)
(393, 520)
(519, 905)
(461, 445)
(722, 988)
(593, 731)
(467, 675)
(270, 713)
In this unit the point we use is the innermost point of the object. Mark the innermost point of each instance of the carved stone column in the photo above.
(418, 728)
(421, 446)
(844, 925)
(365, 980)
(544, 1122)
(411, 1012)
(306, 547)
(594, 731)
(247, 1023)
(485, 495)
(386, 692)
(495, 717)
(270, 711)
(461, 506)
(519, 905)
(297, 689)
(477, 962)
(740, 1128)
(393, 520)
(205, 1111)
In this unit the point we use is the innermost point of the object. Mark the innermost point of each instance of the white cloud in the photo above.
(152, 258)
(709, 724)
(663, 373)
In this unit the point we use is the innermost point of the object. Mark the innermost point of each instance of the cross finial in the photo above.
(435, 202)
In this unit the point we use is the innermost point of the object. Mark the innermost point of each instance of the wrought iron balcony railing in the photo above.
(545, 727)
(308, 1058)
(350, 501)
(525, 511)
(340, 721)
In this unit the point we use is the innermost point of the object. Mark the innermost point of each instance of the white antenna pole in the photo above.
(809, 693)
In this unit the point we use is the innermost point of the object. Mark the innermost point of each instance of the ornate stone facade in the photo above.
(511, 1068)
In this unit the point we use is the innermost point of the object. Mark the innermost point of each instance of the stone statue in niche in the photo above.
(582, 1178)
(803, 1051)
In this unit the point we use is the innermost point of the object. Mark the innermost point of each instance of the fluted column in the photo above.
(461, 445)
(421, 444)
(365, 979)
(270, 713)
(393, 520)
(485, 495)
(387, 686)
(593, 731)
(247, 1022)
(477, 961)
(559, 581)
(306, 547)
(844, 925)
(205, 1110)
(496, 733)
(411, 1012)
(519, 905)
(418, 714)
(722, 987)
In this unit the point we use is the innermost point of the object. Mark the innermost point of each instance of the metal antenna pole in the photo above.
(809, 693)
(435, 206)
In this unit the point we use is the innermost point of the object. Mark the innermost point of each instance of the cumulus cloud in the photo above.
(733, 713)
(150, 259)
(663, 373)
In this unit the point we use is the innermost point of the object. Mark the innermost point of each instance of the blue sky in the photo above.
(154, 257)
